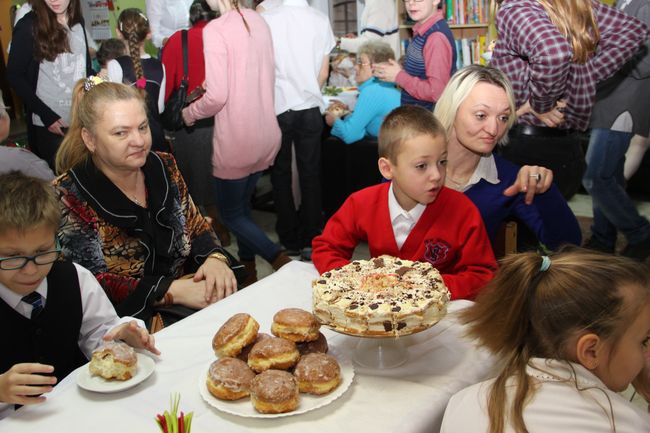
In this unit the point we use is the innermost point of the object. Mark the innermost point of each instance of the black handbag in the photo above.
(172, 117)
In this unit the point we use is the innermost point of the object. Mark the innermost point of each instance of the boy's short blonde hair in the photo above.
(27, 202)
(404, 123)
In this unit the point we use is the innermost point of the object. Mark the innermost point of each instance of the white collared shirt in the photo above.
(98, 314)
(166, 17)
(486, 169)
(402, 220)
(302, 38)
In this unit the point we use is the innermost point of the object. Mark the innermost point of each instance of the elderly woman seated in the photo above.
(376, 98)
(127, 215)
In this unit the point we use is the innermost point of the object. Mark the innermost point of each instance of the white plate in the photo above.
(308, 402)
(89, 382)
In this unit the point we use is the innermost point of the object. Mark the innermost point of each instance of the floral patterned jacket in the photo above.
(134, 252)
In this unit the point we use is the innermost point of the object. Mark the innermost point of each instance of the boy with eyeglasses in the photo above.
(54, 312)
(430, 57)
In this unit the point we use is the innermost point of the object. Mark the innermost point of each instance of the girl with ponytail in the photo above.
(240, 84)
(139, 69)
(573, 330)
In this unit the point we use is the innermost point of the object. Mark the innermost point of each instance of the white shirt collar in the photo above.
(553, 370)
(396, 210)
(486, 169)
(13, 299)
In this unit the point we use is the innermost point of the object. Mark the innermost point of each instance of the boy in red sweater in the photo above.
(414, 217)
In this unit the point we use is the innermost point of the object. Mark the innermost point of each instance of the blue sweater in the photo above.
(376, 100)
(548, 217)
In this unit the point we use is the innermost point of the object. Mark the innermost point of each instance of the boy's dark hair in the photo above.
(403, 123)
(27, 202)
(110, 49)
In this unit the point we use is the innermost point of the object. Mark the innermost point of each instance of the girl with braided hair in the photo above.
(239, 84)
(139, 69)
(572, 330)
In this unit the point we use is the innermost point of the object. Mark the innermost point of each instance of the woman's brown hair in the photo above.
(134, 26)
(527, 312)
(51, 37)
(87, 109)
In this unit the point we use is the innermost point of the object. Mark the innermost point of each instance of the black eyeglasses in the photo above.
(19, 262)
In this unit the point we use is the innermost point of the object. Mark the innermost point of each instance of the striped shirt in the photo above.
(537, 58)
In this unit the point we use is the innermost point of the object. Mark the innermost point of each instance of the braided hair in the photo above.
(134, 26)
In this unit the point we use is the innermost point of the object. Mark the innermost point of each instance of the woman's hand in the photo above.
(531, 179)
(386, 71)
(57, 127)
(189, 293)
(553, 118)
(134, 336)
(22, 384)
(219, 279)
(187, 119)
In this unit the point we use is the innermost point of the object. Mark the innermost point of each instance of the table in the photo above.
(407, 399)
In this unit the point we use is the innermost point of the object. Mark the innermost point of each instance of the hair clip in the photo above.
(141, 83)
(546, 263)
(143, 16)
(91, 82)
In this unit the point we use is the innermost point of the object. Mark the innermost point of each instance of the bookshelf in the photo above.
(471, 22)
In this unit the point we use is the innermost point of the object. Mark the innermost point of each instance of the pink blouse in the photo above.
(240, 78)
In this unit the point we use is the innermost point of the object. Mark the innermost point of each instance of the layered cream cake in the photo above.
(385, 296)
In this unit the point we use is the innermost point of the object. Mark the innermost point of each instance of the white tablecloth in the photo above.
(406, 399)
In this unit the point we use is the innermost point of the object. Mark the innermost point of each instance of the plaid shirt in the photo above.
(537, 58)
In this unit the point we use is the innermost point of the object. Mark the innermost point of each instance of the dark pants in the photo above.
(562, 153)
(347, 168)
(296, 228)
(45, 144)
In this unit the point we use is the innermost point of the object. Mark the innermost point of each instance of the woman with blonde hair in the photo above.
(572, 330)
(127, 215)
(239, 82)
(555, 53)
(476, 109)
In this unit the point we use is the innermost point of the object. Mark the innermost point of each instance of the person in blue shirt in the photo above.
(376, 98)
(477, 108)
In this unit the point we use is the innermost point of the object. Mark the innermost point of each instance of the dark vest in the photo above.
(153, 73)
(414, 64)
(53, 337)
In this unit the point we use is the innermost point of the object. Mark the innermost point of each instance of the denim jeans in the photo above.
(233, 197)
(613, 209)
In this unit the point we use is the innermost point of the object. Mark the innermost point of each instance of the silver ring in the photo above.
(537, 176)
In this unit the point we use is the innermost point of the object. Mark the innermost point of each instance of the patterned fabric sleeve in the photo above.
(203, 240)
(527, 31)
(620, 38)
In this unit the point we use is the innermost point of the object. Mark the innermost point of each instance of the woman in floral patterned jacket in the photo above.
(127, 215)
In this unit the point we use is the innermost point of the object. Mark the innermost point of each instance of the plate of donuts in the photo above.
(145, 366)
(258, 375)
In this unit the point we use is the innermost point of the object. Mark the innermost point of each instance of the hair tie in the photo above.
(91, 82)
(546, 263)
(141, 83)
(240, 14)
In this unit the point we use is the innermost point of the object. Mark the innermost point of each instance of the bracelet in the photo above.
(168, 299)
(220, 257)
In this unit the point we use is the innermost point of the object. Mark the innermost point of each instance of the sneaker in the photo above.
(596, 245)
(638, 251)
(305, 255)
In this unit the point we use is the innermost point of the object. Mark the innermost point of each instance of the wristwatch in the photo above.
(219, 257)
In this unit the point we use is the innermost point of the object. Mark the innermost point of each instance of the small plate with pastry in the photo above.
(114, 367)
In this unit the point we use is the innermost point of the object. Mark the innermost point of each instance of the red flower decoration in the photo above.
(141, 83)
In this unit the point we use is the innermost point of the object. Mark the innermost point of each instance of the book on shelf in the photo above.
(463, 12)
(470, 51)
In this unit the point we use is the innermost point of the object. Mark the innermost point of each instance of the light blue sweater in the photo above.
(376, 100)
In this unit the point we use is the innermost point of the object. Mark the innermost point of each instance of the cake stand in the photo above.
(378, 352)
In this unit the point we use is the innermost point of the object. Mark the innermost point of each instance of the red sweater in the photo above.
(172, 58)
(450, 235)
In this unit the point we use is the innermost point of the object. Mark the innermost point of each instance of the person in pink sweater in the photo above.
(414, 217)
(239, 83)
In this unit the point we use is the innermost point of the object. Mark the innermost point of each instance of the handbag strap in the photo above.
(184, 42)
